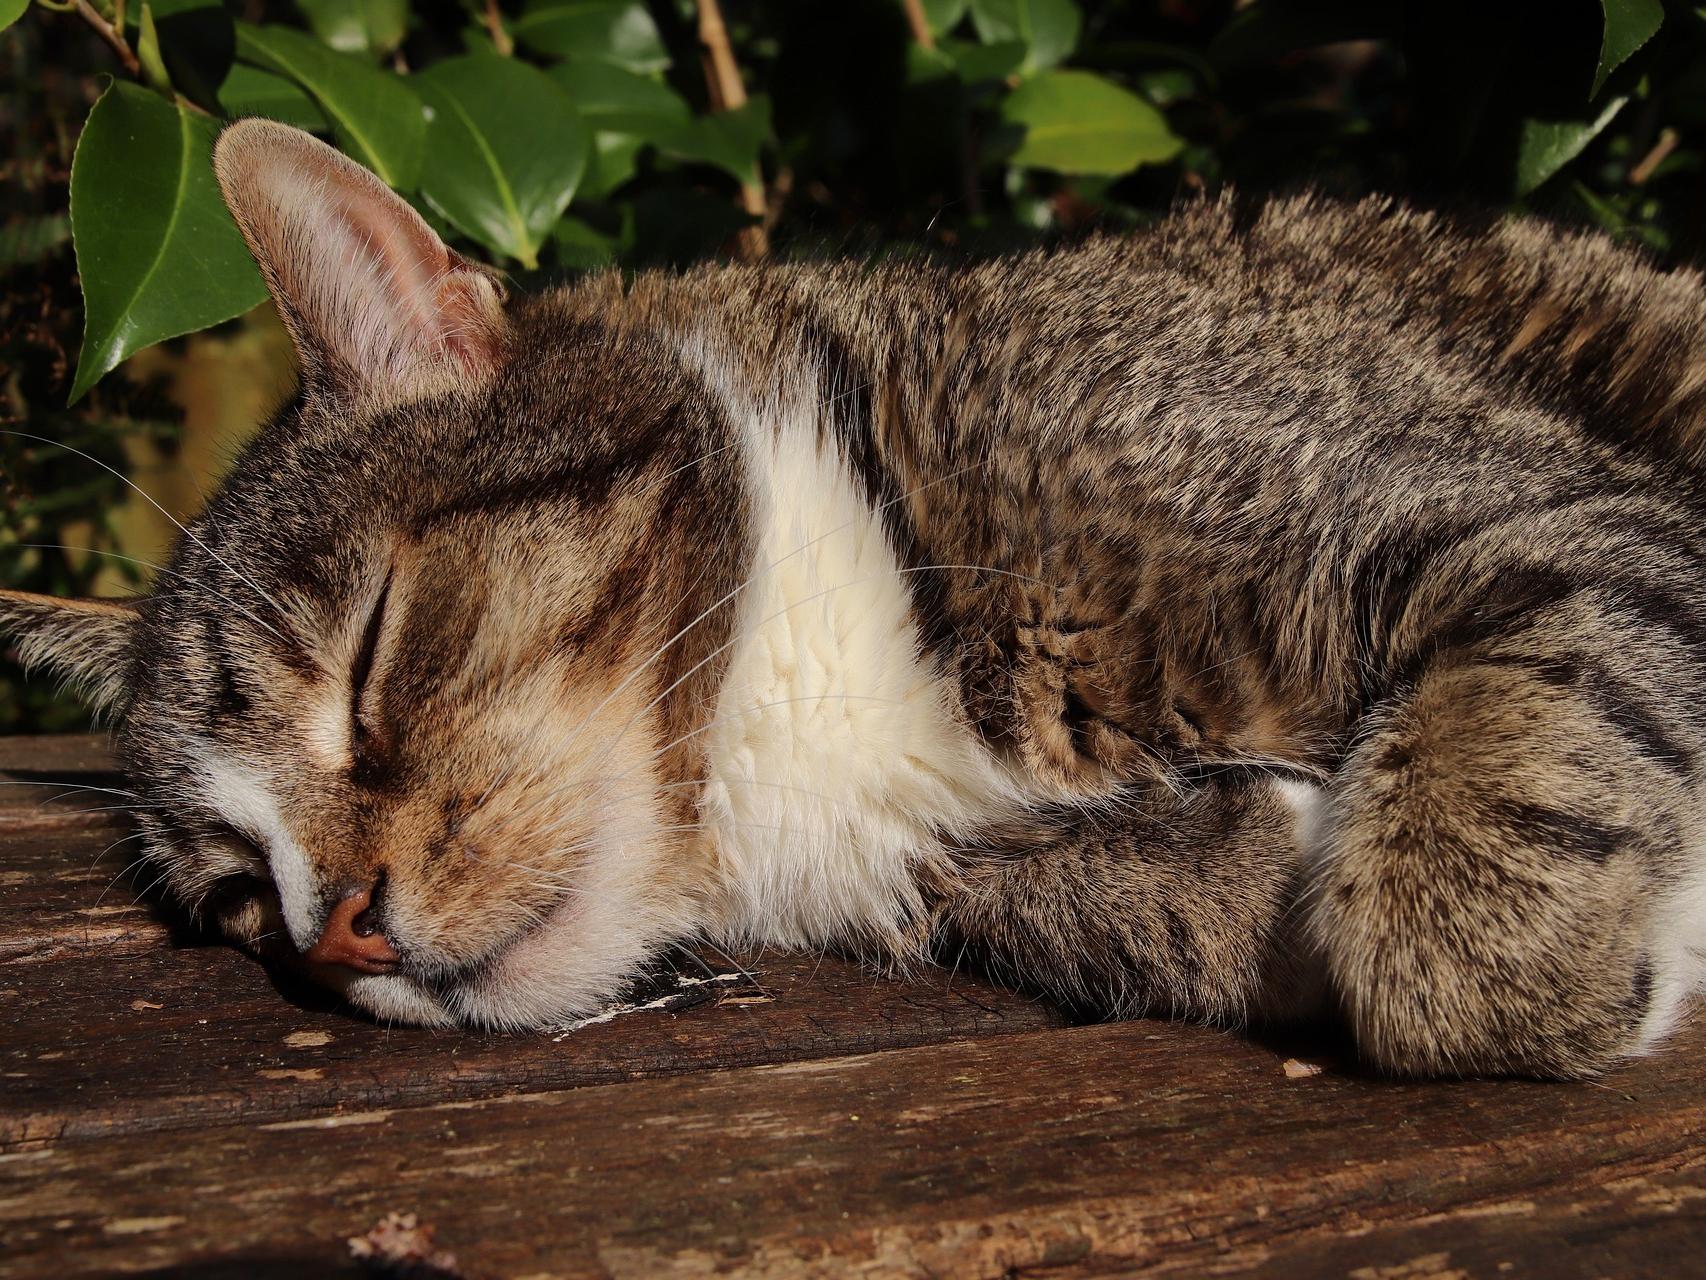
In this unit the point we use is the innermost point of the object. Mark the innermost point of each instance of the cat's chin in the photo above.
(395, 998)
(568, 967)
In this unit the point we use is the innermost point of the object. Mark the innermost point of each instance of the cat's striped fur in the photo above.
(1286, 606)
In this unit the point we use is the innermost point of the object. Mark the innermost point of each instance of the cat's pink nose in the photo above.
(352, 938)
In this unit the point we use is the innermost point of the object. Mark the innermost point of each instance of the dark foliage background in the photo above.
(859, 126)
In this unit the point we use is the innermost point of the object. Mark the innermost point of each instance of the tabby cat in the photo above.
(1285, 609)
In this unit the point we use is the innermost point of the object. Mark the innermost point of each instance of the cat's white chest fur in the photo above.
(837, 757)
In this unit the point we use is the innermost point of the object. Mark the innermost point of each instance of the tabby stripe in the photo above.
(852, 419)
(1614, 701)
(1528, 822)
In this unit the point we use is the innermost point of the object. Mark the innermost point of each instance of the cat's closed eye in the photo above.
(366, 737)
(1277, 611)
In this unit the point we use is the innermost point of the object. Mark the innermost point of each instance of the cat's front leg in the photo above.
(1155, 902)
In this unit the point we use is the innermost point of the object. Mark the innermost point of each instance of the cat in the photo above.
(1287, 608)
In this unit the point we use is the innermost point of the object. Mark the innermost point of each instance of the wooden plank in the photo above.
(68, 890)
(1124, 1149)
(169, 1039)
(114, 1017)
(63, 849)
(55, 754)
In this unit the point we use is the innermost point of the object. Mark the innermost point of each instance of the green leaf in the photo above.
(614, 99)
(615, 158)
(194, 39)
(1546, 146)
(1047, 28)
(371, 28)
(1629, 24)
(942, 16)
(730, 140)
(505, 150)
(619, 31)
(11, 11)
(1076, 122)
(156, 250)
(29, 240)
(249, 91)
(925, 66)
(980, 63)
(375, 116)
(1167, 85)
(148, 53)
(583, 248)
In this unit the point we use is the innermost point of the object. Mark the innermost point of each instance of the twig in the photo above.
(727, 93)
(114, 38)
(781, 187)
(919, 23)
(113, 33)
(1668, 138)
(501, 39)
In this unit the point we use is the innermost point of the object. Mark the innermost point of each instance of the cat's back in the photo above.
(1300, 324)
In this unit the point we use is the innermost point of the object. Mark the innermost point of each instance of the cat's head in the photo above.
(418, 691)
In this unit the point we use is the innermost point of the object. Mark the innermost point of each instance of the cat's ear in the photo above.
(376, 302)
(89, 642)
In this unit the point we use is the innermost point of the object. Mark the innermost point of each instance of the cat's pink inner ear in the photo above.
(372, 296)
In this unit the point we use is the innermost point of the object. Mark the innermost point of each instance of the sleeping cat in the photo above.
(1278, 610)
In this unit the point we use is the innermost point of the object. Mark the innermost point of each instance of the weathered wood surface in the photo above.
(118, 1019)
(168, 1111)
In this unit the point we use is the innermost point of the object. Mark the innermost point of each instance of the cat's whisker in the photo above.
(751, 578)
(735, 715)
(158, 568)
(714, 721)
(125, 871)
(96, 861)
(788, 608)
(686, 466)
(146, 497)
(732, 962)
(152, 885)
(70, 788)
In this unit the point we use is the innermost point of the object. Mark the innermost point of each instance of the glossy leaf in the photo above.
(1048, 29)
(614, 99)
(942, 16)
(1076, 122)
(371, 28)
(1629, 24)
(156, 250)
(619, 31)
(249, 91)
(1546, 146)
(505, 150)
(980, 63)
(730, 140)
(581, 247)
(11, 11)
(615, 158)
(375, 116)
(194, 39)
(925, 66)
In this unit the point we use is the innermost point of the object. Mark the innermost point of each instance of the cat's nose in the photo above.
(352, 936)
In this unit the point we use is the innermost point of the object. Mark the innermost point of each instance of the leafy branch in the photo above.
(559, 135)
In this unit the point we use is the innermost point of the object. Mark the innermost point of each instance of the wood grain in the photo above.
(102, 1044)
(1088, 1151)
(169, 1108)
(119, 1018)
